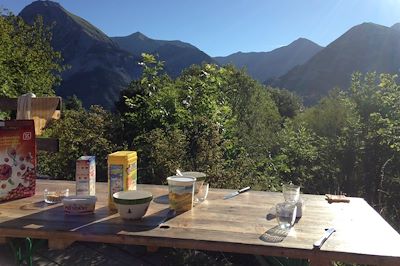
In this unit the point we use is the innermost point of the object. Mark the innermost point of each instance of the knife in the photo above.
(327, 234)
(233, 194)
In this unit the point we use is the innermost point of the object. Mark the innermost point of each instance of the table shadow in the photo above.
(163, 199)
(274, 235)
(271, 215)
(51, 217)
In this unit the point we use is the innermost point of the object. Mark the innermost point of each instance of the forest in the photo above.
(220, 121)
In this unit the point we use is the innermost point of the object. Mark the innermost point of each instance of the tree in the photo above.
(28, 62)
(289, 104)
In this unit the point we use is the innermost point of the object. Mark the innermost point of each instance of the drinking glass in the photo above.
(203, 192)
(286, 214)
(291, 193)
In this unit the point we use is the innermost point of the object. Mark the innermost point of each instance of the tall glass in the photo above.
(181, 192)
(291, 193)
(286, 214)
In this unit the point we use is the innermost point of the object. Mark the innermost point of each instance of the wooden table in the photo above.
(242, 224)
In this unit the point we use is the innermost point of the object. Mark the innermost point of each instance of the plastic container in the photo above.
(79, 205)
(122, 173)
(181, 192)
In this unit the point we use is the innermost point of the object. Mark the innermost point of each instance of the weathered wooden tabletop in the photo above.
(242, 224)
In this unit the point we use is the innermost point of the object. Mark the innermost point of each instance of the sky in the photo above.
(222, 27)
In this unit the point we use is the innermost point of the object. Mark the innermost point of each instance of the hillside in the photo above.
(365, 47)
(266, 65)
(98, 67)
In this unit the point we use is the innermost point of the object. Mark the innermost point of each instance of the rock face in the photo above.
(366, 47)
(177, 55)
(266, 65)
(98, 67)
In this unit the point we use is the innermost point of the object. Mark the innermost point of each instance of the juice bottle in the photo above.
(122, 173)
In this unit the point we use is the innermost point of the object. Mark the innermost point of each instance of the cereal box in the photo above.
(17, 159)
(86, 176)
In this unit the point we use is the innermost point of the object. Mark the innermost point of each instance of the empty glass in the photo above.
(291, 193)
(202, 194)
(286, 214)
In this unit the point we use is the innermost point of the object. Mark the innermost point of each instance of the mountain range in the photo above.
(177, 55)
(263, 66)
(100, 66)
(366, 47)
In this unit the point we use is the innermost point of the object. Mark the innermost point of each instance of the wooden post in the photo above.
(58, 244)
(320, 261)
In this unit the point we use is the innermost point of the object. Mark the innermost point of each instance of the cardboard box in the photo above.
(17, 159)
(86, 176)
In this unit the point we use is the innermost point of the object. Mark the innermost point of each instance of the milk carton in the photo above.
(86, 176)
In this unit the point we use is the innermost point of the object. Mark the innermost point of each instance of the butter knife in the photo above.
(327, 234)
(233, 194)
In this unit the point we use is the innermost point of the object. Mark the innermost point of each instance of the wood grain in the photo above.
(243, 224)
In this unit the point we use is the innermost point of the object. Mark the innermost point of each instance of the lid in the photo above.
(181, 180)
(131, 197)
(198, 175)
(127, 154)
(87, 158)
(79, 199)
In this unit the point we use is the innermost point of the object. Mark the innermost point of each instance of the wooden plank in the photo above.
(11, 104)
(48, 144)
(8, 104)
(235, 225)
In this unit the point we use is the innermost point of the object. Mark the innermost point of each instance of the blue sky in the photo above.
(222, 27)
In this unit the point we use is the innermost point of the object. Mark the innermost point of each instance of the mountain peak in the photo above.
(40, 4)
(138, 35)
(303, 41)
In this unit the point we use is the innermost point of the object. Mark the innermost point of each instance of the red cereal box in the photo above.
(17, 159)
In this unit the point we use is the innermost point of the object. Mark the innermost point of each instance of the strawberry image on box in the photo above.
(17, 159)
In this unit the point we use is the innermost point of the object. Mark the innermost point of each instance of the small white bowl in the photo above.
(132, 204)
(79, 205)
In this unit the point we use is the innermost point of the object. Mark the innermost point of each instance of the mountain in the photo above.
(365, 47)
(266, 65)
(176, 54)
(98, 67)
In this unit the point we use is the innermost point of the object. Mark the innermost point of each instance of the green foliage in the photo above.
(28, 63)
(218, 113)
(289, 104)
(73, 103)
(81, 132)
(161, 153)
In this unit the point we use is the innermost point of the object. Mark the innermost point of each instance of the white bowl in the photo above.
(79, 205)
(132, 204)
